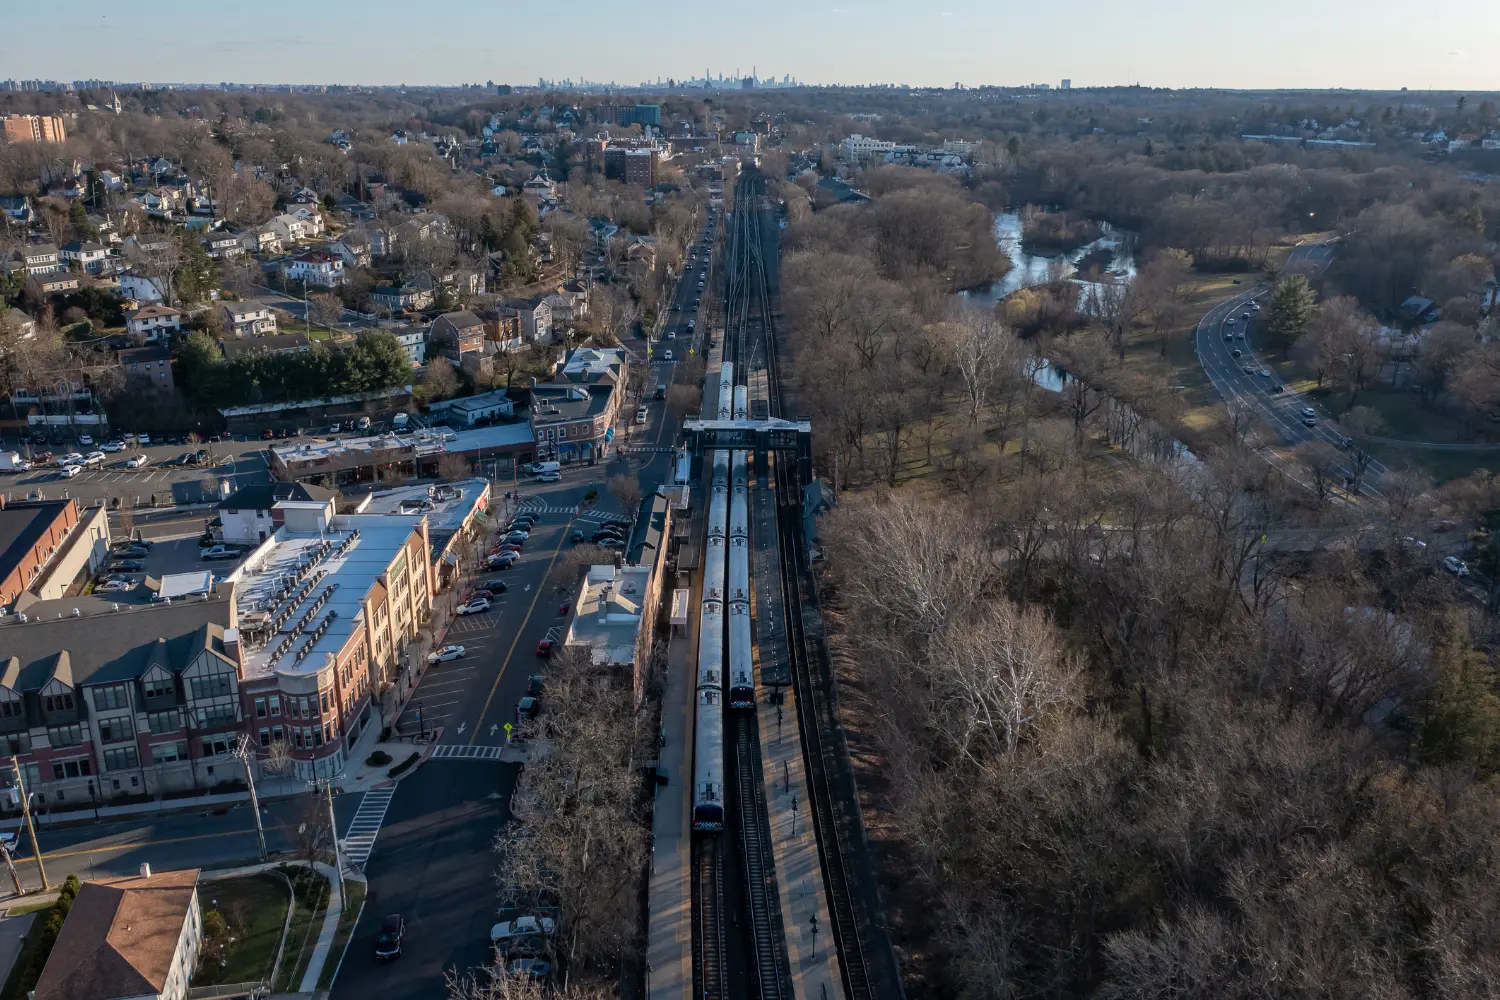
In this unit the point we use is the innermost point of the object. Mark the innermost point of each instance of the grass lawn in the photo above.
(312, 901)
(347, 919)
(255, 908)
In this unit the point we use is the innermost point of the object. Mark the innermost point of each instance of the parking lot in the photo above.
(163, 558)
(161, 480)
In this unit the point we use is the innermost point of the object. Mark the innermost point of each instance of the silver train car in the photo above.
(741, 660)
(708, 756)
(708, 763)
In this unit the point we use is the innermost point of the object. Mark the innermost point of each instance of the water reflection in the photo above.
(1036, 269)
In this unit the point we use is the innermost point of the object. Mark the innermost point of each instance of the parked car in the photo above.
(114, 587)
(128, 565)
(144, 440)
(509, 930)
(493, 586)
(544, 648)
(528, 708)
(446, 654)
(534, 685)
(133, 552)
(536, 968)
(87, 440)
(1456, 566)
(136, 461)
(71, 458)
(577, 535)
(113, 446)
(43, 456)
(94, 458)
(392, 930)
(69, 471)
(556, 477)
(518, 535)
(501, 561)
(611, 543)
(475, 607)
(221, 552)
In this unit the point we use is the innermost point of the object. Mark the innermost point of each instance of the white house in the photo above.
(288, 229)
(354, 249)
(136, 937)
(153, 321)
(316, 267)
(40, 259)
(222, 245)
(248, 319)
(90, 257)
(261, 239)
(414, 340)
(246, 513)
(312, 221)
(140, 288)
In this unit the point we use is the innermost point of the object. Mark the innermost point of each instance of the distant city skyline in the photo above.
(1353, 44)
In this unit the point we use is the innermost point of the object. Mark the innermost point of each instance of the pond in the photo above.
(1028, 269)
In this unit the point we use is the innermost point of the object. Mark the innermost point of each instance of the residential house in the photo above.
(57, 283)
(222, 245)
(140, 288)
(40, 258)
(260, 239)
(593, 366)
(569, 304)
(149, 367)
(153, 322)
(248, 319)
(112, 181)
(413, 340)
(305, 196)
(90, 257)
(354, 249)
(316, 267)
(149, 243)
(535, 316)
(289, 229)
(137, 937)
(403, 297)
(14, 324)
(18, 207)
(540, 187)
(310, 217)
(273, 343)
(457, 334)
(642, 250)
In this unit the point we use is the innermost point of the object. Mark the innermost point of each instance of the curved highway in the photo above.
(1225, 343)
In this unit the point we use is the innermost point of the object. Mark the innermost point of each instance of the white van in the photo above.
(640, 415)
(539, 468)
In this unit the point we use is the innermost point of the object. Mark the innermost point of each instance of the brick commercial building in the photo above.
(47, 544)
(34, 128)
(101, 700)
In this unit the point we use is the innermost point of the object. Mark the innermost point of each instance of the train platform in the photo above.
(811, 954)
(669, 947)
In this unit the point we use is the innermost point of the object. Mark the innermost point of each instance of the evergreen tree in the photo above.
(78, 221)
(1460, 717)
(1292, 305)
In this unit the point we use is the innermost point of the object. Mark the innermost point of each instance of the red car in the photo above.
(544, 648)
(43, 456)
(563, 610)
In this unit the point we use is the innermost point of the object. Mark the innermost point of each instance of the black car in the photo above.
(493, 586)
(388, 945)
(534, 686)
(527, 708)
(129, 565)
(132, 552)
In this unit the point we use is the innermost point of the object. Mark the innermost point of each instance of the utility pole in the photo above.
(10, 864)
(36, 848)
(244, 753)
(333, 830)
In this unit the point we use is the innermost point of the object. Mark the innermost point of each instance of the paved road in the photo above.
(1225, 331)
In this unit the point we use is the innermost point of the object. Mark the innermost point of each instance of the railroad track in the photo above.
(755, 850)
(866, 963)
(708, 920)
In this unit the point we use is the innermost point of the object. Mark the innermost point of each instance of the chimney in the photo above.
(145, 871)
(232, 644)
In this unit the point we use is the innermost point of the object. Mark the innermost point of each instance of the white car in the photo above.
(445, 654)
(71, 458)
(94, 458)
(143, 439)
(86, 440)
(136, 462)
(1308, 411)
(114, 587)
(611, 543)
(508, 930)
(220, 552)
(549, 477)
(478, 606)
(113, 446)
(1456, 566)
(69, 471)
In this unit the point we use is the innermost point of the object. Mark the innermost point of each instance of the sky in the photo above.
(1357, 44)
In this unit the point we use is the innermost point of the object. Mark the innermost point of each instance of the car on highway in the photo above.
(446, 654)
(392, 930)
(1236, 352)
(1248, 369)
(1228, 334)
(1229, 321)
(113, 446)
(136, 461)
(1276, 387)
(220, 552)
(477, 606)
(1265, 373)
(1309, 421)
(1456, 566)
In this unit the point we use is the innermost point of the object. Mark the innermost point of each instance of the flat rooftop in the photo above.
(447, 505)
(607, 616)
(301, 598)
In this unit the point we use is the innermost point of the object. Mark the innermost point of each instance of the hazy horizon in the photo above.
(1281, 44)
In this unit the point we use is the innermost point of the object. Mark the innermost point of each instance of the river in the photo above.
(1035, 269)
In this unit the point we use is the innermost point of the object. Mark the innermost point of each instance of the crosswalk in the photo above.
(648, 449)
(359, 839)
(460, 752)
(588, 515)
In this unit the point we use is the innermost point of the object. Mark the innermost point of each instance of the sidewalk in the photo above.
(669, 948)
